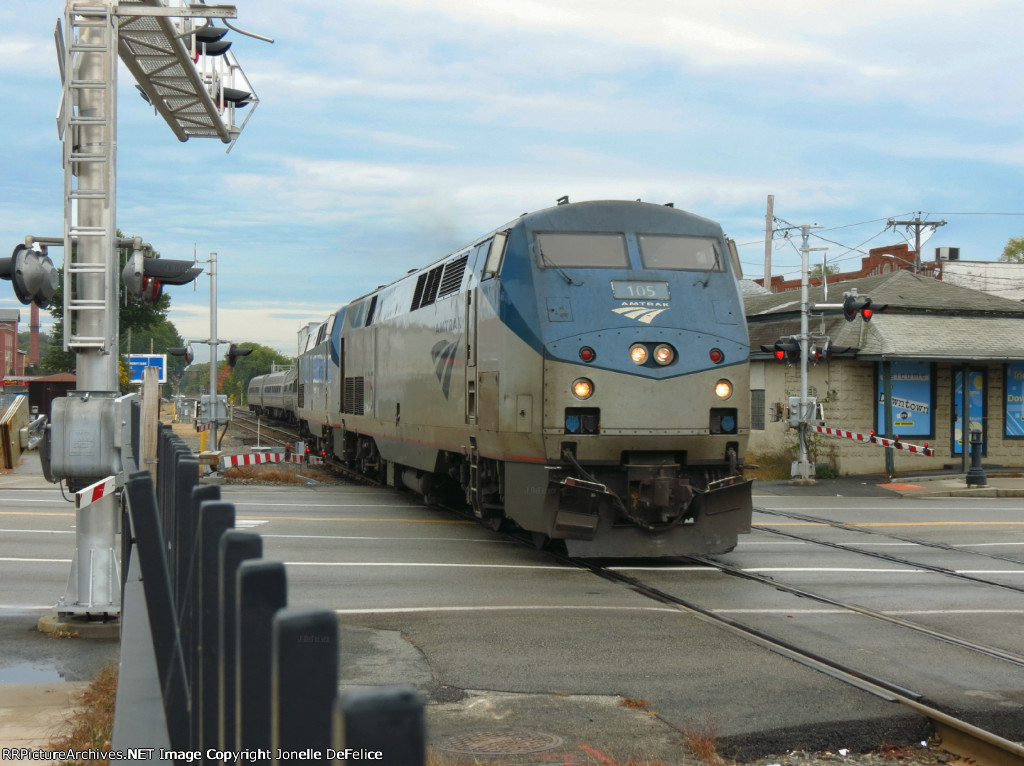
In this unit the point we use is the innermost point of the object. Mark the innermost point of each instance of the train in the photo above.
(580, 373)
(273, 395)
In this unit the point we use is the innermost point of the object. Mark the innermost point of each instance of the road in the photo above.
(498, 636)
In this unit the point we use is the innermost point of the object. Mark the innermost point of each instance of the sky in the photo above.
(391, 132)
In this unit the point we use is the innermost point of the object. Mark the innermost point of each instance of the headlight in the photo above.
(664, 354)
(638, 353)
(582, 388)
(723, 389)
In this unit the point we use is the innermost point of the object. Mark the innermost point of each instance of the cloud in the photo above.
(274, 325)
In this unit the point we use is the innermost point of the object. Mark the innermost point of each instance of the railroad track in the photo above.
(958, 735)
(888, 535)
(269, 432)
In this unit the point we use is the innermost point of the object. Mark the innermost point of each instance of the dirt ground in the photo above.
(235, 442)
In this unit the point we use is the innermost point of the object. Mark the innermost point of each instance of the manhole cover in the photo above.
(503, 743)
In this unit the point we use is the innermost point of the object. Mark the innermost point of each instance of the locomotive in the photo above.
(581, 372)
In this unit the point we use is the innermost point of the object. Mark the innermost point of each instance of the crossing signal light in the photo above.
(861, 304)
(146, 277)
(831, 350)
(32, 274)
(236, 351)
(784, 350)
(185, 351)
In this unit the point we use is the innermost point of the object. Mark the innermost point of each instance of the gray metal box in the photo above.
(85, 437)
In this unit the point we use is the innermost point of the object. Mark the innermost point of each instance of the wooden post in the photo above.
(150, 417)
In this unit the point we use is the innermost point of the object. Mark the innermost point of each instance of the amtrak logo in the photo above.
(443, 354)
(644, 314)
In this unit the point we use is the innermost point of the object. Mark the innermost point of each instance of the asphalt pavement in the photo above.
(587, 726)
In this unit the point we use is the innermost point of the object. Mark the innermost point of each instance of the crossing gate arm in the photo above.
(881, 441)
(95, 492)
(256, 458)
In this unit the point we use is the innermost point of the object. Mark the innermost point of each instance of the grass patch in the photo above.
(91, 726)
(266, 472)
(701, 738)
(771, 466)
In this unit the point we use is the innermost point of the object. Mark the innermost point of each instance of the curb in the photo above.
(63, 624)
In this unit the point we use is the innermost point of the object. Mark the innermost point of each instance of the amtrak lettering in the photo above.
(443, 353)
(449, 325)
(642, 311)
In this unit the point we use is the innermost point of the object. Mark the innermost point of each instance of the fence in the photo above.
(234, 670)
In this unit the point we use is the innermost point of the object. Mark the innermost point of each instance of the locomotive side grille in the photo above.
(416, 296)
(301, 396)
(353, 400)
(426, 288)
(452, 279)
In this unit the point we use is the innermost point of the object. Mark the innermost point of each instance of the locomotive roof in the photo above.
(587, 213)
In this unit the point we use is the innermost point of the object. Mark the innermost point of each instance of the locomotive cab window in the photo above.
(569, 250)
(495, 250)
(666, 251)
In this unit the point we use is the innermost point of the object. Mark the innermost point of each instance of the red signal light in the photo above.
(780, 354)
(866, 313)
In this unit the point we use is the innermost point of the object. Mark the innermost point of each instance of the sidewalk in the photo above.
(31, 714)
(1001, 484)
(28, 474)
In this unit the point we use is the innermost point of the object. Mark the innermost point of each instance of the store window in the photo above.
(976, 397)
(912, 396)
(1013, 404)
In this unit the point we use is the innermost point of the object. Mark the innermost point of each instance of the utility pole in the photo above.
(769, 225)
(803, 469)
(917, 224)
(214, 411)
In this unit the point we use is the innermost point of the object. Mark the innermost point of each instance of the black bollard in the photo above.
(976, 476)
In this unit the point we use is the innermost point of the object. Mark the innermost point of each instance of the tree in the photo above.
(1014, 251)
(233, 382)
(259, 362)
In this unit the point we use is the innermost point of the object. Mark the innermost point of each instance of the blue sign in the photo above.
(1015, 399)
(911, 399)
(139, 362)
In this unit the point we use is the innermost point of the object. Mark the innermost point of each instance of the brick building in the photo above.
(933, 337)
(12, 362)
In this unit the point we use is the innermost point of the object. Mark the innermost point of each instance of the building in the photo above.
(995, 277)
(933, 336)
(12, 362)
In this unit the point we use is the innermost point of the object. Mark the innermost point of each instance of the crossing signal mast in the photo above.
(185, 69)
(806, 348)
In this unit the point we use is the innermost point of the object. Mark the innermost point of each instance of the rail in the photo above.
(213, 660)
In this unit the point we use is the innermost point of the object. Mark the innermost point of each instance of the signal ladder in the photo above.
(87, 121)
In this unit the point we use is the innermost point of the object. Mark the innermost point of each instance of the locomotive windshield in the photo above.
(665, 251)
(562, 250)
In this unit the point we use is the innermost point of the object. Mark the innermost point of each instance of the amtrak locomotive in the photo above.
(581, 372)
